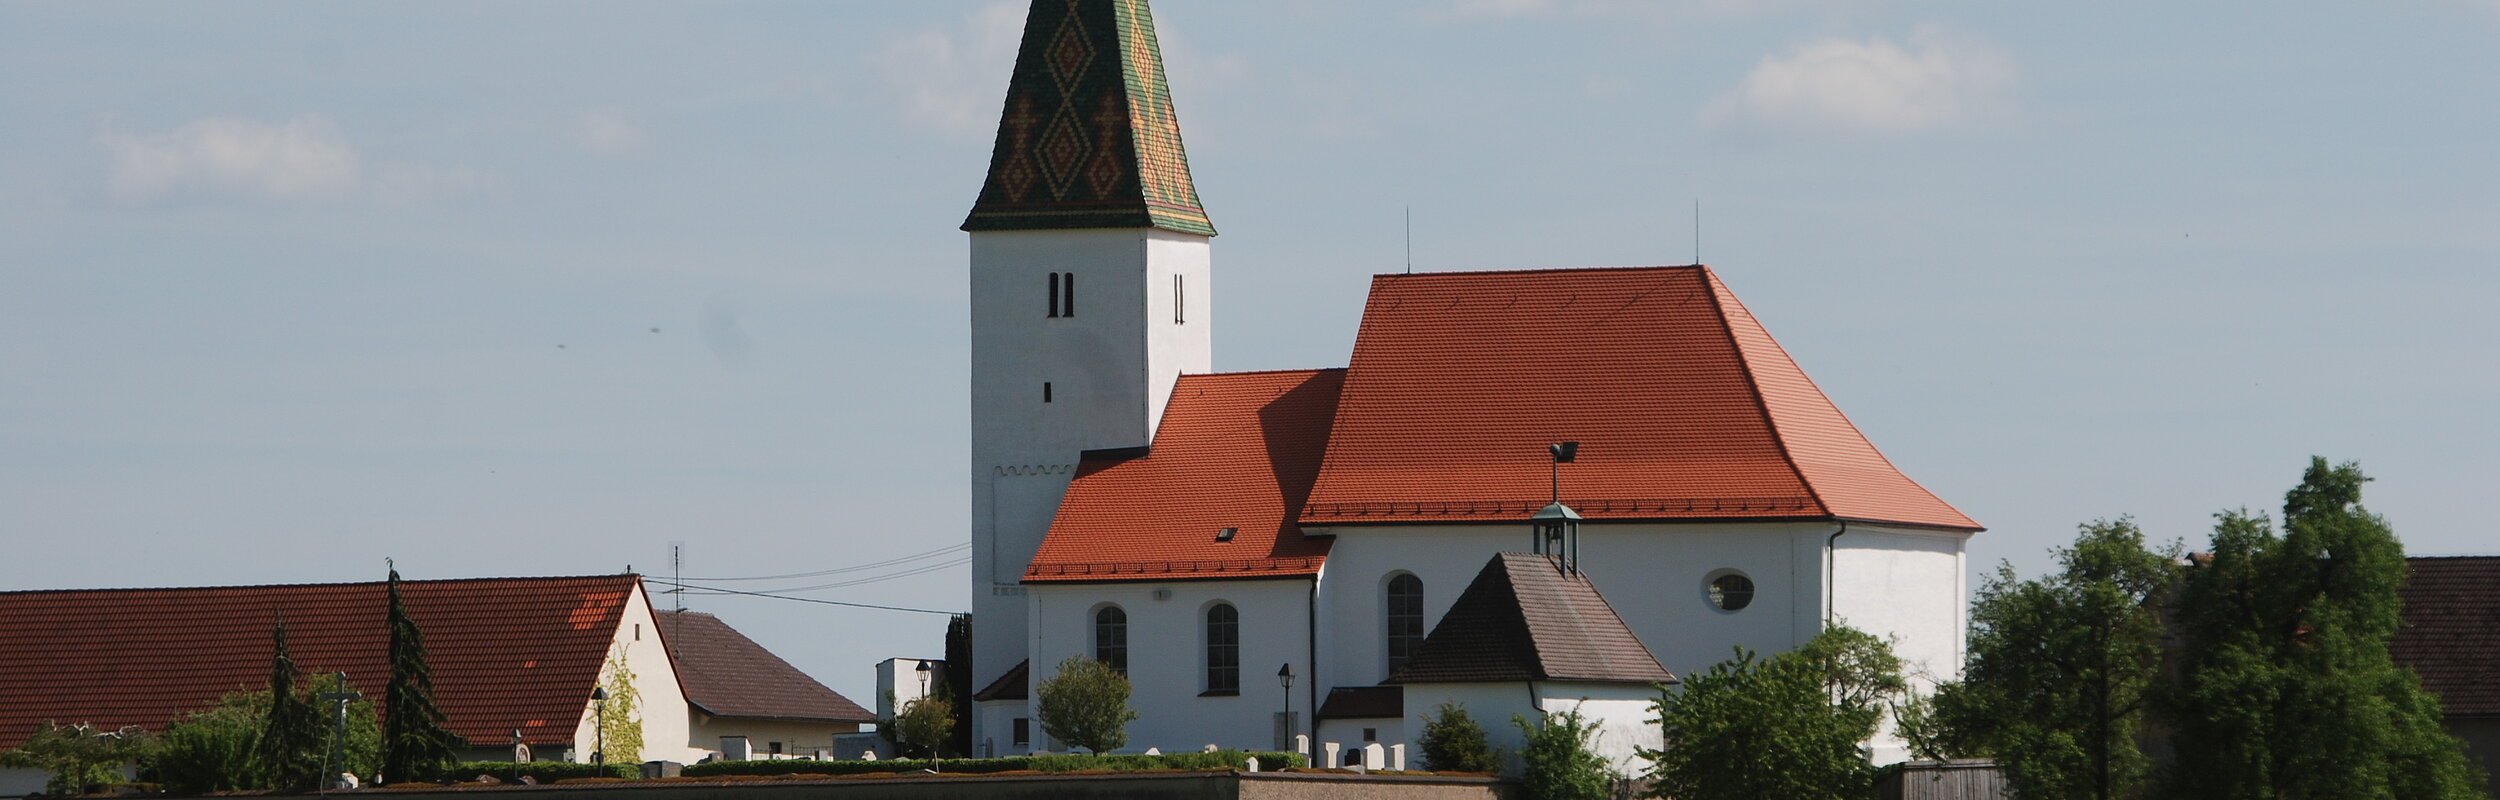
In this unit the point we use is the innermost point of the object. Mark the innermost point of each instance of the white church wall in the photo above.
(1167, 656)
(667, 724)
(1110, 368)
(1892, 583)
(1655, 575)
(1621, 712)
(1625, 722)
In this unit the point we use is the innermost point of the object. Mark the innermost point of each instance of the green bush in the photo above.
(542, 771)
(1557, 762)
(1221, 759)
(1453, 742)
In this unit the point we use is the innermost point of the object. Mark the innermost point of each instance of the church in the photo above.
(1525, 491)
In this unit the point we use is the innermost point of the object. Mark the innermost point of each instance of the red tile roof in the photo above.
(1684, 407)
(1234, 450)
(2451, 633)
(1522, 619)
(506, 653)
(728, 675)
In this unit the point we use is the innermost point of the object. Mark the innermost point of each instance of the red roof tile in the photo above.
(1235, 451)
(2451, 633)
(506, 653)
(728, 675)
(1684, 407)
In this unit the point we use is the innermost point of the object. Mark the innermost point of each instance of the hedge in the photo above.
(543, 771)
(1221, 759)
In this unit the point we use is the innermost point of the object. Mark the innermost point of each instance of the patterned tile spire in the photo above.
(1088, 138)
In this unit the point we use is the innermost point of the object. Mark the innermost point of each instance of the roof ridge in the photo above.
(1711, 286)
(322, 584)
(1537, 270)
(1231, 373)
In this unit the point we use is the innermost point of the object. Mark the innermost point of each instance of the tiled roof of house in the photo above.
(505, 653)
(1684, 408)
(1088, 138)
(1364, 702)
(2451, 632)
(728, 675)
(1015, 685)
(1235, 451)
(1523, 619)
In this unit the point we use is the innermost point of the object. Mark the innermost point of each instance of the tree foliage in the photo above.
(2060, 668)
(2284, 686)
(957, 690)
(1086, 705)
(1452, 741)
(1557, 761)
(289, 752)
(211, 750)
(620, 716)
(80, 757)
(415, 746)
(924, 725)
(1788, 726)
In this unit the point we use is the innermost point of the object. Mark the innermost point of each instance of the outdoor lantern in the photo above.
(1284, 675)
(924, 670)
(1556, 528)
(599, 695)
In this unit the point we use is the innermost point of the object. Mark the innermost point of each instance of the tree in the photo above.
(1086, 705)
(957, 690)
(81, 758)
(620, 720)
(1556, 762)
(415, 746)
(1788, 726)
(925, 724)
(2060, 668)
(2284, 686)
(210, 750)
(289, 753)
(1453, 742)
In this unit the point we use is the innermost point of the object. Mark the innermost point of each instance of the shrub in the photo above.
(1086, 705)
(1453, 742)
(541, 771)
(1055, 764)
(1557, 762)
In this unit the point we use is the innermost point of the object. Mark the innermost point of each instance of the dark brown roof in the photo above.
(1014, 685)
(2451, 632)
(1523, 619)
(1364, 702)
(506, 653)
(728, 675)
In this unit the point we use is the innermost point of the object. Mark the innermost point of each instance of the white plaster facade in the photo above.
(1142, 318)
(1620, 711)
(1167, 658)
(665, 716)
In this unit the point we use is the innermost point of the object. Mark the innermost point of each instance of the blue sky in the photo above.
(539, 289)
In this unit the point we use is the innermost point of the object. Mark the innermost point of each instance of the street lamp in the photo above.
(924, 671)
(599, 757)
(1284, 678)
(519, 754)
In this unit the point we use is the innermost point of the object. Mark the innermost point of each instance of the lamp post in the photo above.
(923, 670)
(1284, 678)
(599, 756)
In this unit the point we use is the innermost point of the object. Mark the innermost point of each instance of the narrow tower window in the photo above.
(1405, 618)
(1045, 391)
(1179, 301)
(1223, 649)
(1054, 294)
(1111, 638)
(1067, 294)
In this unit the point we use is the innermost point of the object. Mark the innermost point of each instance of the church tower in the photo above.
(1090, 287)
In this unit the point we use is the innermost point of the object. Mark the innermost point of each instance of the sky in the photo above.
(544, 288)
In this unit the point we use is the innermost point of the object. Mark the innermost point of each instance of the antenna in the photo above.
(1696, 231)
(677, 572)
(1410, 240)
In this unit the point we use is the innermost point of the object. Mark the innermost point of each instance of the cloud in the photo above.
(606, 133)
(949, 79)
(300, 159)
(1938, 80)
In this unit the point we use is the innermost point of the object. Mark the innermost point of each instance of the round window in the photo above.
(1730, 591)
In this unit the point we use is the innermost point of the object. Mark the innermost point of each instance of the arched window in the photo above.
(1223, 649)
(1111, 638)
(1406, 618)
(1054, 294)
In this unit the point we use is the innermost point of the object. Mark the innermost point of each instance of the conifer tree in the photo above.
(415, 745)
(957, 689)
(2285, 687)
(288, 754)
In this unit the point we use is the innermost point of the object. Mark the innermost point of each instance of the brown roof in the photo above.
(1684, 406)
(505, 653)
(1015, 685)
(1522, 619)
(1236, 451)
(1364, 702)
(728, 675)
(2451, 631)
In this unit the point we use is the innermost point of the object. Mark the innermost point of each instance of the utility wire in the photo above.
(839, 570)
(925, 568)
(804, 599)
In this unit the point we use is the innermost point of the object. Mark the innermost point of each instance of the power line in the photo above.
(806, 599)
(839, 570)
(926, 568)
